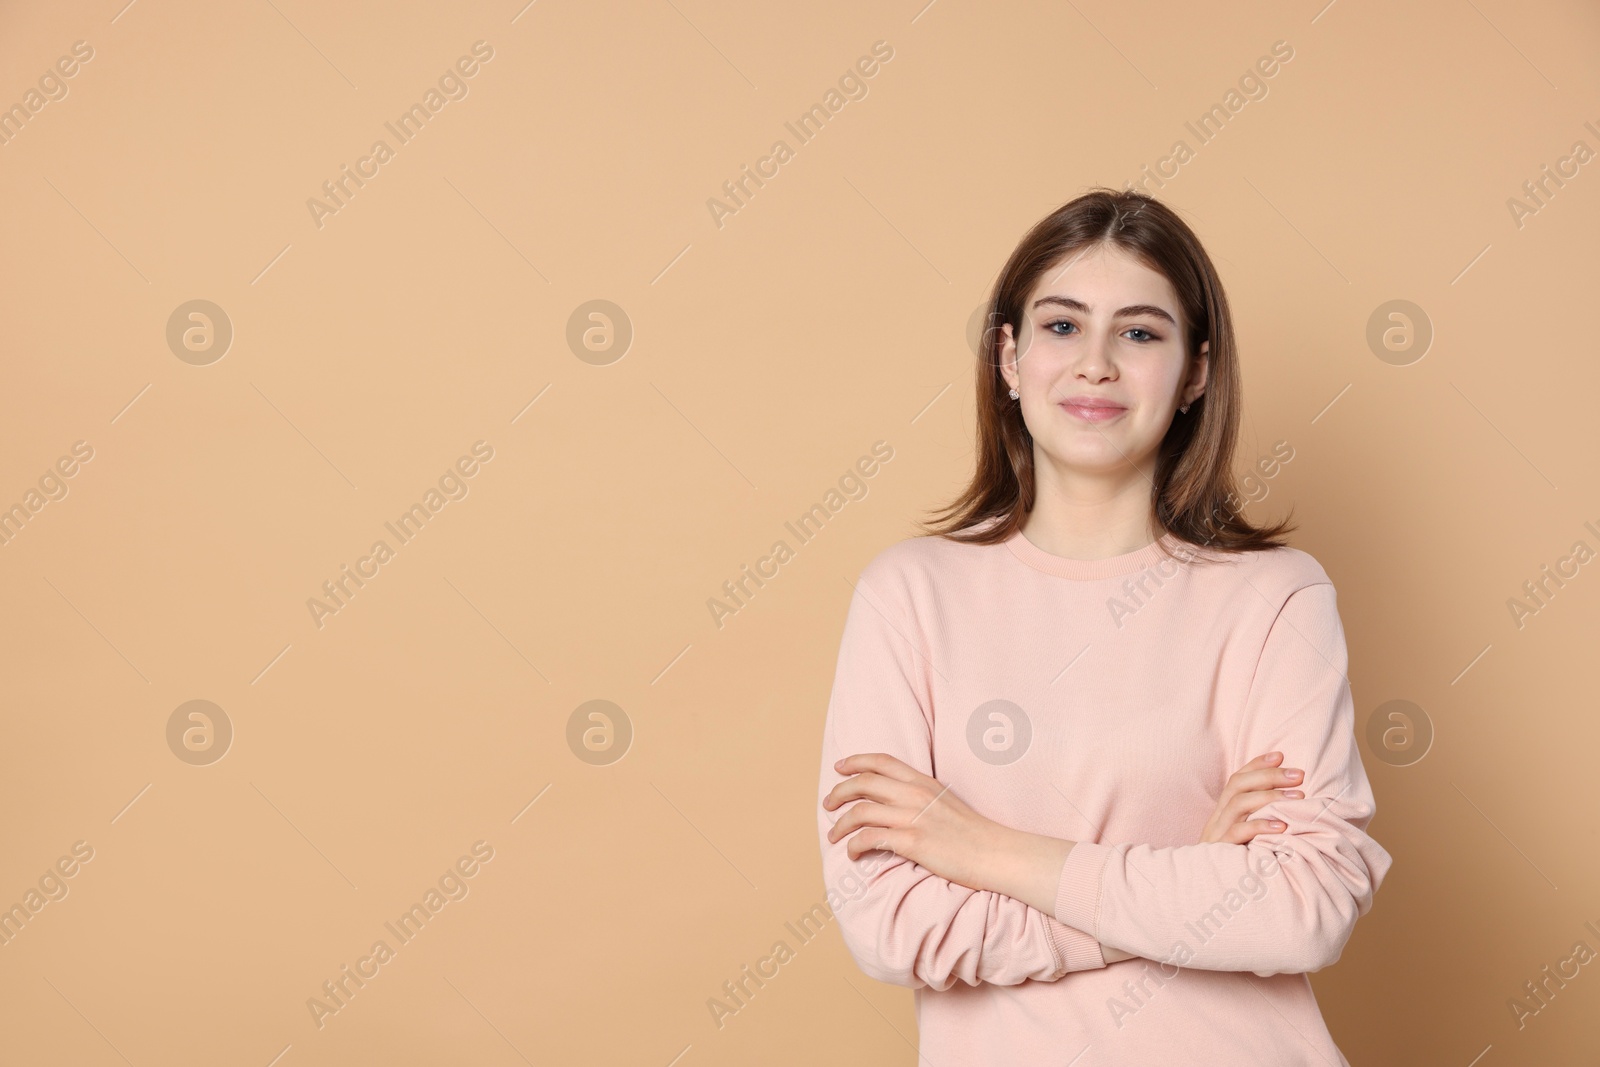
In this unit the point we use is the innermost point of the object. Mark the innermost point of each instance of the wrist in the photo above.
(1027, 867)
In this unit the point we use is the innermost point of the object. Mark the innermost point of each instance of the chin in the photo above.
(1103, 457)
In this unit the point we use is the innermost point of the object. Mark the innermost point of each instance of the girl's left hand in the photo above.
(910, 814)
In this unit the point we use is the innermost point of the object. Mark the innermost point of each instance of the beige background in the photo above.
(768, 355)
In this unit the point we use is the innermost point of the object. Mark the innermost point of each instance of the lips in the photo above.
(1092, 409)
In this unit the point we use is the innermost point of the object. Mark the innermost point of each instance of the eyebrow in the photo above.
(1131, 310)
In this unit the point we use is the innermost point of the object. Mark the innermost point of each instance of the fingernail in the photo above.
(1293, 793)
(1276, 825)
(1274, 755)
(1292, 774)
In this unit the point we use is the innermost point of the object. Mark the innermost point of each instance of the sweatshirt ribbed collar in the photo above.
(1089, 569)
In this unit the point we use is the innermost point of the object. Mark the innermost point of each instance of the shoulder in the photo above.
(918, 572)
(1274, 574)
(916, 560)
(1290, 567)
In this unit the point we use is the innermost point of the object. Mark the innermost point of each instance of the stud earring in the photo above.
(1015, 394)
(1184, 409)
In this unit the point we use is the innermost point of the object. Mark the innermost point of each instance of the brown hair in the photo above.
(1193, 495)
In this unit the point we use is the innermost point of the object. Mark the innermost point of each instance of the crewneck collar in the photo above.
(1089, 569)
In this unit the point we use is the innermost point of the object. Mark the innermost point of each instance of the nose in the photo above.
(1092, 362)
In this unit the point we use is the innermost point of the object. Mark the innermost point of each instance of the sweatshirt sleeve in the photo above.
(1284, 902)
(903, 923)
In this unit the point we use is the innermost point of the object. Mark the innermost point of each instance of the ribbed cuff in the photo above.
(1077, 950)
(1078, 893)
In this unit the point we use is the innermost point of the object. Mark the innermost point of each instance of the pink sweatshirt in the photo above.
(1107, 702)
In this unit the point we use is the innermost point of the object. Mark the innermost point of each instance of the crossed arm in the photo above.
(953, 896)
(906, 812)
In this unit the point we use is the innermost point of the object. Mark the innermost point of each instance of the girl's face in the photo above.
(1101, 327)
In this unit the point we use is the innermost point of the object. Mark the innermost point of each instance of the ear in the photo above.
(1008, 357)
(1199, 374)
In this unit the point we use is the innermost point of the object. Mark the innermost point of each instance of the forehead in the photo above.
(1102, 273)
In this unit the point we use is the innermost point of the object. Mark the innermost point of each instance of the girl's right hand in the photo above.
(1253, 786)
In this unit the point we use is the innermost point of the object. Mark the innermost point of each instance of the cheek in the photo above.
(1040, 371)
(1155, 385)
(1045, 391)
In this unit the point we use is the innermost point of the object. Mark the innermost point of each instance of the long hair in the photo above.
(1193, 495)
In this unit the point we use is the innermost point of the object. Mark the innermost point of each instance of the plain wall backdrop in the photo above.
(559, 350)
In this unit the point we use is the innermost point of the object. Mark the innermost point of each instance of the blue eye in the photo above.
(1148, 337)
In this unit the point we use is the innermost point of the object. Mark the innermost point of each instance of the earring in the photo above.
(1184, 409)
(1015, 394)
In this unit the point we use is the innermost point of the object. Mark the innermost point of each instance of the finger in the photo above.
(1244, 805)
(1247, 803)
(866, 786)
(1266, 759)
(1253, 775)
(872, 839)
(880, 763)
(864, 814)
(1242, 833)
(1238, 807)
(1266, 778)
